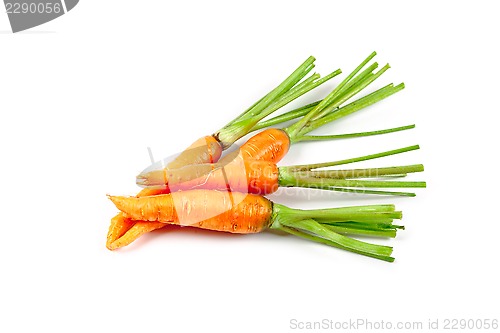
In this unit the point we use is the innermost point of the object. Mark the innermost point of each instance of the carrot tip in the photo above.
(114, 245)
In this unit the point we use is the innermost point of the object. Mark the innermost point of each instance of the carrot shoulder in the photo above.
(269, 145)
(208, 209)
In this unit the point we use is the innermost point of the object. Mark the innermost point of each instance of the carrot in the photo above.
(209, 148)
(120, 224)
(315, 115)
(118, 227)
(263, 177)
(272, 144)
(269, 145)
(236, 212)
(135, 230)
(214, 210)
(204, 150)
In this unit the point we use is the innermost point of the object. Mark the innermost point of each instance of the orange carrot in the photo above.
(214, 210)
(121, 224)
(263, 177)
(209, 148)
(118, 227)
(269, 145)
(241, 175)
(246, 213)
(135, 230)
(122, 231)
(272, 144)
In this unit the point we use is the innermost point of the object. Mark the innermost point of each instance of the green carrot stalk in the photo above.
(330, 226)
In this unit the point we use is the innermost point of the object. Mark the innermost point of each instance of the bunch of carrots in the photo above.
(204, 189)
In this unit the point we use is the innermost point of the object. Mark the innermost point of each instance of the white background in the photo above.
(82, 97)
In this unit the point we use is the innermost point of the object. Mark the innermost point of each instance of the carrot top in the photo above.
(236, 212)
(289, 90)
(331, 107)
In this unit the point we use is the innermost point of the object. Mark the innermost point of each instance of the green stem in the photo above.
(368, 72)
(307, 167)
(297, 180)
(233, 130)
(294, 91)
(321, 225)
(318, 229)
(307, 86)
(365, 173)
(375, 213)
(247, 123)
(330, 243)
(346, 94)
(354, 135)
(331, 238)
(387, 225)
(360, 217)
(301, 85)
(349, 109)
(365, 191)
(281, 89)
(364, 232)
(290, 115)
(295, 129)
(297, 75)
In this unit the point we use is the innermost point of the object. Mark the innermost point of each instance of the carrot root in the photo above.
(239, 175)
(207, 209)
(135, 231)
(120, 224)
(246, 213)
(118, 227)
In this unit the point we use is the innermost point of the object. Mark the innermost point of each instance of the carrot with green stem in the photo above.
(236, 212)
(208, 149)
(273, 144)
(264, 177)
(254, 169)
